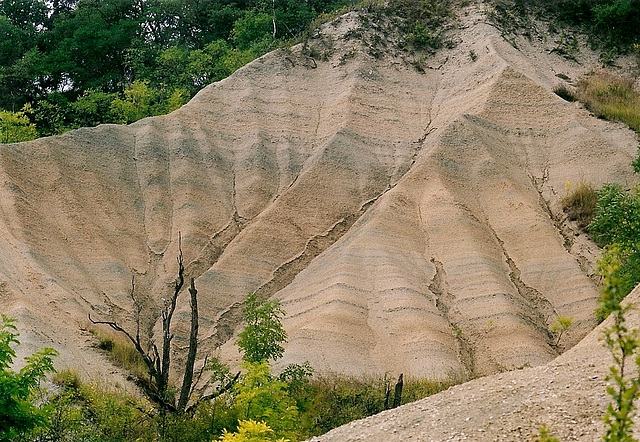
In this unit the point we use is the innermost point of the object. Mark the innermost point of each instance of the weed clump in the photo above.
(580, 204)
(120, 352)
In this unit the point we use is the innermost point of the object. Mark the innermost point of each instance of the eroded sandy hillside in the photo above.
(567, 395)
(408, 221)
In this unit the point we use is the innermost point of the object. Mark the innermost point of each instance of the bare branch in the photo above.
(193, 348)
(215, 394)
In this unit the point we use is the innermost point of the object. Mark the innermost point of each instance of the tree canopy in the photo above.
(84, 62)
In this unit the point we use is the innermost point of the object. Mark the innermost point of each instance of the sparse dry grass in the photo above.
(120, 351)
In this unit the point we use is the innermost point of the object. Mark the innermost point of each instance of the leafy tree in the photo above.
(87, 47)
(251, 431)
(25, 14)
(18, 414)
(15, 127)
(263, 397)
(252, 30)
(263, 335)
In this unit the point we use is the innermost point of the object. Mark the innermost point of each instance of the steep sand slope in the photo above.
(568, 395)
(409, 221)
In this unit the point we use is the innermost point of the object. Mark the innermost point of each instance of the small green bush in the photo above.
(19, 415)
(616, 227)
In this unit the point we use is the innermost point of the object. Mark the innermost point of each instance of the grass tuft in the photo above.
(67, 379)
(580, 203)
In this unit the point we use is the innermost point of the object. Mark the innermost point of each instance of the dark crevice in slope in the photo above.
(214, 248)
(285, 274)
(444, 304)
(538, 184)
(219, 241)
(226, 324)
(563, 228)
(538, 310)
(231, 318)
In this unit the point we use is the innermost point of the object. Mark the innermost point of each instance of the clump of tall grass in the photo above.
(580, 203)
(611, 97)
(331, 401)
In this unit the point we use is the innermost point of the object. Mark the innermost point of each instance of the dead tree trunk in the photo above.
(397, 394)
(159, 362)
(187, 381)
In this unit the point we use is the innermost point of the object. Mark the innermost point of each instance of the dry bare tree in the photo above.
(158, 361)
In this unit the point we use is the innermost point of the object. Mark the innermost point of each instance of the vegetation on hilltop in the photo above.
(76, 63)
(611, 25)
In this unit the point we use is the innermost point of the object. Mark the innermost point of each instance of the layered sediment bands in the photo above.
(408, 221)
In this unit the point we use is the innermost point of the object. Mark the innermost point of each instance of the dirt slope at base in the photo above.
(408, 219)
(568, 395)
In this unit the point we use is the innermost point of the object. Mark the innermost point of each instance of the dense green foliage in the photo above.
(85, 62)
(611, 24)
(15, 127)
(18, 414)
(616, 227)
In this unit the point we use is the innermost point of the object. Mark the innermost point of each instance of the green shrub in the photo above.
(545, 435)
(616, 227)
(19, 415)
(16, 127)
